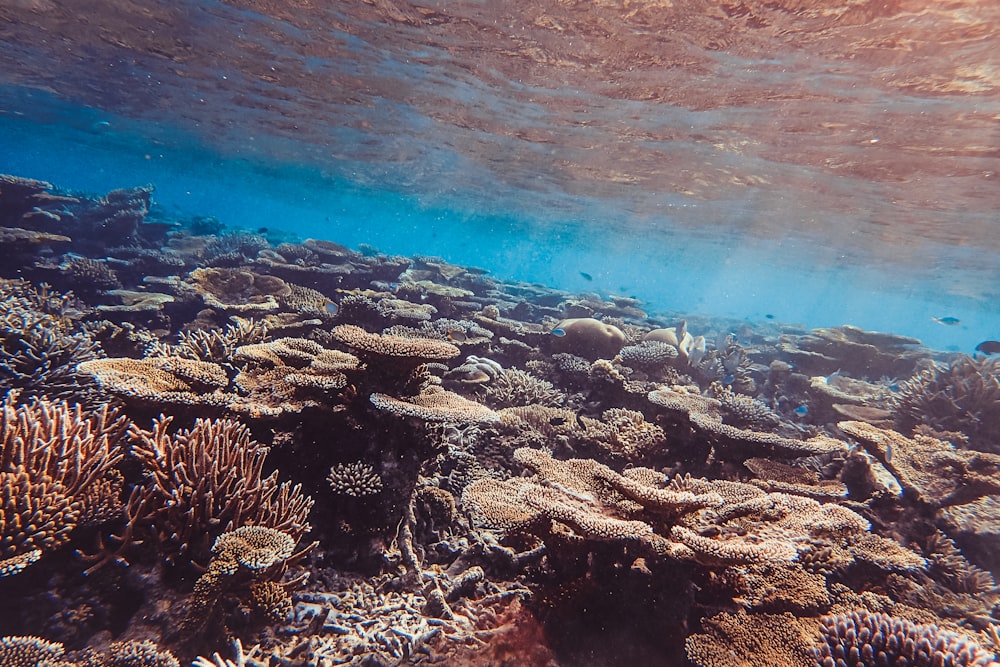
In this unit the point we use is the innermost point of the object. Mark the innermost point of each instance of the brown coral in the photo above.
(54, 472)
(753, 640)
(26, 651)
(933, 471)
(210, 476)
(589, 338)
(435, 404)
(378, 345)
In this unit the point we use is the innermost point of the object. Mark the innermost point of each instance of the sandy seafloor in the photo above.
(236, 446)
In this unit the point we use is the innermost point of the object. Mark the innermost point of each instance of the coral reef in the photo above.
(335, 456)
(962, 396)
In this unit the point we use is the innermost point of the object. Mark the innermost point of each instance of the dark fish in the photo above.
(557, 421)
(579, 421)
(457, 335)
(586, 276)
(263, 230)
(769, 316)
(947, 321)
(989, 347)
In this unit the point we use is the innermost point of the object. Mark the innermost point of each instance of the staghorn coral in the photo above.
(867, 639)
(933, 471)
(40, 344)
(137, 654)
(962, 396)
(515, 387)
(56, 472)
(210, 477)
(648, 354)
(87, 276)
(744, 411)
(212, 345)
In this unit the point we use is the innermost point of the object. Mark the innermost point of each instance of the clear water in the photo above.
(824, 165)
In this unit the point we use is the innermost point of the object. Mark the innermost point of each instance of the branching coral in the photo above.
(962, 396)
(210, 477)
(56, 472)
(39, 344)
(870, 639)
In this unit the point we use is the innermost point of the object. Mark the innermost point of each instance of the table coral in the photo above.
(378, 345)
(934, 471)
(436, 405)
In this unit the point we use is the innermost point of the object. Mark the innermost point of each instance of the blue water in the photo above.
(732, 276)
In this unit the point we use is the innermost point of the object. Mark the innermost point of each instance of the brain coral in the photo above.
(587, 337)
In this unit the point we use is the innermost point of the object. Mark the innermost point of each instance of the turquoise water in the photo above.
(807, 171)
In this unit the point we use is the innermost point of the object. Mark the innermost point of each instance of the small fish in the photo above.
(100, 126)
(729, 379)
(888, 453)
(579, 421)
(557, 421)
(769, 316)
(802, 410)
(586, 276)
(947, 321)
(989, 347)
(263, 230)
(598, 315)
(457, 335)
(558, 333)
(331, 308)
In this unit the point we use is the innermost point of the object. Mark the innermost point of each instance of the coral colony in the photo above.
(222, 450)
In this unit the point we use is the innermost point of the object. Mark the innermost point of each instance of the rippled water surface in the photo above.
(817, 160)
